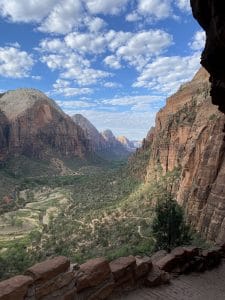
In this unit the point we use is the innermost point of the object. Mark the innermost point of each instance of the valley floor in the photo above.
(196, 286)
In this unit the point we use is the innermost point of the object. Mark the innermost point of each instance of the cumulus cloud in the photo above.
(157, 9)
(112, 85)
(184, 5)
(133, 17)
(75, 104)
(133, 100)
(166, 74)
(54, 45)
(95, 24)
(135, 48)
(63, 18)
(198, 41)
(58, 16)
(86, 42)
(143, 46)
(112, 61)
(26, 11)
(63, 87)
(65, 61)
(74, 67)
(112, 7)
(15, 63)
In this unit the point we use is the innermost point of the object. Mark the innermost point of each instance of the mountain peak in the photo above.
(16, 102)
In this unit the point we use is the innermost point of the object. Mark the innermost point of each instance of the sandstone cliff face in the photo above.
(4, 136)
(97, 142)
(188, 135)
(114, 145)
(129, 145)
(38, 128)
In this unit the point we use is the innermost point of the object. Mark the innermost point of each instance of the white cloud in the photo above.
(52, 45)
(71, 65)
(62, 19)
(133, 124)
(112, 85)
(113, 62)
(132, 100)
(36, 77)
(115, 39)
(65, 61)
(143, 46)
(95, 24)
(157, 9)
(136, 48)
(198, 41)
(86, 42)
(63, 87)
(166, 74)
(75, 104)
(112, 7)
(26, 11)
(15, 63)
(85, 76)
(184, 5)
(133, 17)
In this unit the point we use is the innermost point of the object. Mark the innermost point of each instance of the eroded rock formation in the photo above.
(4, 136)
(98, 279)
(33, 125)
(188, 136)
(211, 16)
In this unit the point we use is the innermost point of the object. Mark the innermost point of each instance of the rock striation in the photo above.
(188, 137)
(4, 136)
(33, 125)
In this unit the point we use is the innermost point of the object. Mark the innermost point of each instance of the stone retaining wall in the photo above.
(98, 279)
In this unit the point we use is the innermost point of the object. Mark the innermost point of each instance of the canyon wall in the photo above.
(188, 136)
(36, 127)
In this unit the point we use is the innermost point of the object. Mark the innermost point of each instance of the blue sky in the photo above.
(114, 61)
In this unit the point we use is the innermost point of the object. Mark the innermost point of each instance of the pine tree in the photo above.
(169, 228)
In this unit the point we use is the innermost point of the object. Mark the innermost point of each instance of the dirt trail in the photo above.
(197, 286)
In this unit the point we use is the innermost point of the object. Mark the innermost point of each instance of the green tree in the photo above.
(169, 228)
(14, 260)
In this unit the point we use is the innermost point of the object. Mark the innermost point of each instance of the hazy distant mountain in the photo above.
(130, 145)
(105, 144)
(97, 141)
(114, 145)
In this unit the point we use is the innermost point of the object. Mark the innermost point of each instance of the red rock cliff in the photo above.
(38, 128)
(188, 134)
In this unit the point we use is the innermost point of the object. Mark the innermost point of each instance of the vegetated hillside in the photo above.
(188, 135)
